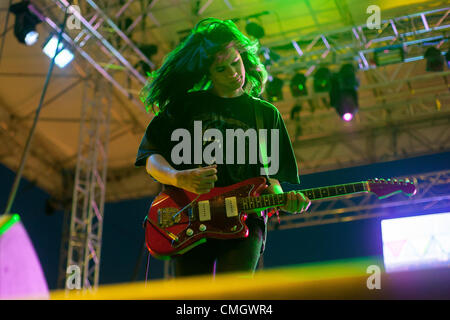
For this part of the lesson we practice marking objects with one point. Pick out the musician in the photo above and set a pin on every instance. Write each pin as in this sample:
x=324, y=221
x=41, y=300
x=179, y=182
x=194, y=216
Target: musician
x=213, y=78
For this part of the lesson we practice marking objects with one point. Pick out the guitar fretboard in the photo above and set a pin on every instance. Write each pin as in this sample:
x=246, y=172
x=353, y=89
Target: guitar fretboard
x=277, y=200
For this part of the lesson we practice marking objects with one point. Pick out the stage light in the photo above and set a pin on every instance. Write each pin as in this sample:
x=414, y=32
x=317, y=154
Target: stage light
x=388, y=55
x=274, y=89
x=347, y=104
x=322, y=79
x=255, y=30
x=343, y=93
x=435, y=60
x=347, y=77
x=31, y=38
x=63, y=58
x=21, y=274
x=298, y=85
x=25, y=24
x=347, y=116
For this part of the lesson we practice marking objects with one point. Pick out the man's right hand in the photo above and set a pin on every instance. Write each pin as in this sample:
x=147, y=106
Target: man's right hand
x=199, y=180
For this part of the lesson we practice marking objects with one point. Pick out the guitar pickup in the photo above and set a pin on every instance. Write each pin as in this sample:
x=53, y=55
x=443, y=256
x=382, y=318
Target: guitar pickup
x=231, y=207
x=204, y=210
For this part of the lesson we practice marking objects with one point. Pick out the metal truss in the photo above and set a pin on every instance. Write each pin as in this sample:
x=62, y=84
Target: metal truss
x=399, y=117
x=101, y=43
x=86, y=222
x=433, y=192
x=356, y=43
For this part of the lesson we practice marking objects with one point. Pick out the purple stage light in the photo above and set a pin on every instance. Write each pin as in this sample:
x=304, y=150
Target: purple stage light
x=21, y=275
x=347, y=116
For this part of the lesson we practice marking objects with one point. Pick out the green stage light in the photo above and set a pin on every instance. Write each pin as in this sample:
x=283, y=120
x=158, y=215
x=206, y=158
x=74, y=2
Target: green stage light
x=298, y=85
x=322, y=80
x=274, y=89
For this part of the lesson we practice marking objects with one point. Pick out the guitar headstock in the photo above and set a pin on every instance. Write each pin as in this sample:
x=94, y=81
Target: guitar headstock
x=384, y=188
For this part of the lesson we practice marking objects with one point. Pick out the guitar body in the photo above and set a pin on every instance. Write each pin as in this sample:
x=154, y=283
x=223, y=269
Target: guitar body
x=168, y=234
x=179, y=220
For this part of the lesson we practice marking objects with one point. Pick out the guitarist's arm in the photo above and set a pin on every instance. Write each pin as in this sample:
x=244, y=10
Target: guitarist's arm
x=198, y=181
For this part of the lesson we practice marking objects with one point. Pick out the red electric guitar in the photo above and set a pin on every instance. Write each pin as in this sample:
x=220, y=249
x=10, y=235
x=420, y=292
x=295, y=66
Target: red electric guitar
x=179, y=220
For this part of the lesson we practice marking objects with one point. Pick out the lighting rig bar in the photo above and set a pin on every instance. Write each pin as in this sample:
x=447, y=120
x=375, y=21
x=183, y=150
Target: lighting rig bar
x=357, y=43
x=93, y=41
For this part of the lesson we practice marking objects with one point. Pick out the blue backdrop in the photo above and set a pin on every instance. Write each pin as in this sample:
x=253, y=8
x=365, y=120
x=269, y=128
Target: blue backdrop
x=124, y=258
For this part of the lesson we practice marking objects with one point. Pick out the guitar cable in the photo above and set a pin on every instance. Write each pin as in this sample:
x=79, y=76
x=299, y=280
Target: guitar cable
x=186, y=206
x=146, y=268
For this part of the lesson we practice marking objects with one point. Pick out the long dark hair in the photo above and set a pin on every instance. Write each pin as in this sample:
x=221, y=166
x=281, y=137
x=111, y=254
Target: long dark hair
x=186, y=68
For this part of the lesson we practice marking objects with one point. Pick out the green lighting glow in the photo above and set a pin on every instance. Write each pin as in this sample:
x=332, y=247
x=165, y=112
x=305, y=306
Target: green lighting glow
x=7, y=221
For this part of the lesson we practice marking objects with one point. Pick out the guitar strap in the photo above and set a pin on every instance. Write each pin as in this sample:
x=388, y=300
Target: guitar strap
x=262, y=141
x=263, y=151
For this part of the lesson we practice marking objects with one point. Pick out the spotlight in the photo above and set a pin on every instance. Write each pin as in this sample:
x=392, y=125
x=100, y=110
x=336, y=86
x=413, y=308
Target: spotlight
x=322, y=79
x=298, y=85
x=347, y=116
x=347, y=77
x=343, y=94
x=347, y=104
x=25, y=24
x=274, y=89
x=63, y=58
x=435, y=60
x=255, y=30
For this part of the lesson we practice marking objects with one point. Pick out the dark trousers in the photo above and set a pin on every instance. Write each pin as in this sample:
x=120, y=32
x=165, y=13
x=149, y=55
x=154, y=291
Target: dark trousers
x=222, y=256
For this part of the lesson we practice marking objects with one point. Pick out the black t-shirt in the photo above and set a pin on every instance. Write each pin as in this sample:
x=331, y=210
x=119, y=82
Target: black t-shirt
x=199, y=111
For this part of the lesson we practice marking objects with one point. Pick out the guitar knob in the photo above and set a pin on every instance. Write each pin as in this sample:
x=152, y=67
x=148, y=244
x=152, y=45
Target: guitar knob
x=202, y=227
x=189, y=232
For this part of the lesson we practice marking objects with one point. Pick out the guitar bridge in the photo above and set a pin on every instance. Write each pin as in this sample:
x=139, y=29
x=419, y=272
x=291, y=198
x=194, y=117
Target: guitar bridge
x=166, y=217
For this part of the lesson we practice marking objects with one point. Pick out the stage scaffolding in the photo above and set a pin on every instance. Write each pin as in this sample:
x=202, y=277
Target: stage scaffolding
x=86, y=220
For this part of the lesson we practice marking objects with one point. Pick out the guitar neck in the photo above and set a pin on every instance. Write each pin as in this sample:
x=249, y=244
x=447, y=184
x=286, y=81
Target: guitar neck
x=279, y=200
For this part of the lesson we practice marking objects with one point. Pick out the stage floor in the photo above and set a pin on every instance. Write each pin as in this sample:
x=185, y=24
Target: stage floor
x=343, y=279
